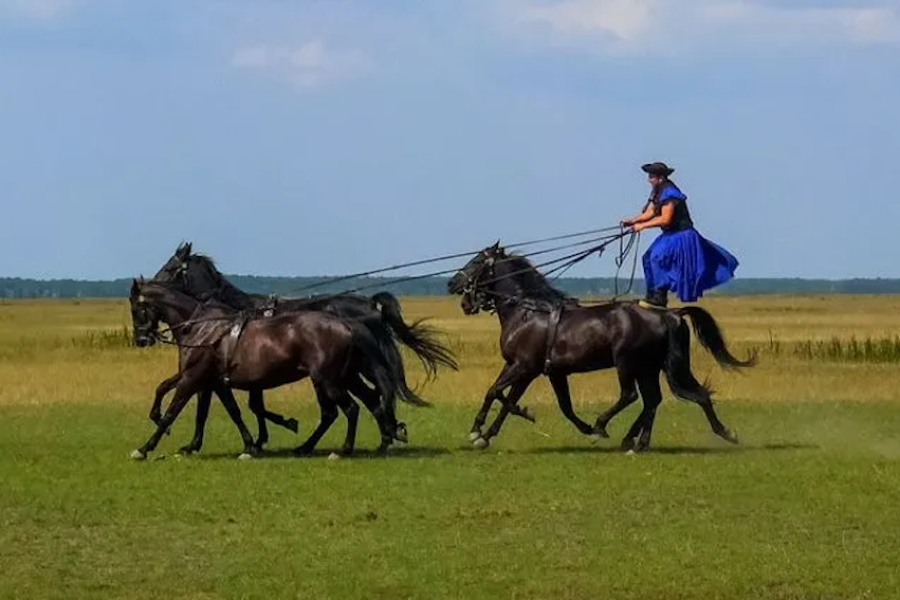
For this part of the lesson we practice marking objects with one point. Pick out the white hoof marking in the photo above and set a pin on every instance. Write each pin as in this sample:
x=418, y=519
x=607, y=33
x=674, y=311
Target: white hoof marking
x=482, y=443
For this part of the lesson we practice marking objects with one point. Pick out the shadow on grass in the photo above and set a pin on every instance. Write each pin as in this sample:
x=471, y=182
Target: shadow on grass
x=320, y=453
x=673, y=449
x=432, y=452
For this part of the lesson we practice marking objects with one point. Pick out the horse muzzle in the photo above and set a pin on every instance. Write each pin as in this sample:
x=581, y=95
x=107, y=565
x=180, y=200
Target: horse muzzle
x=143, y=340
x=469, y=305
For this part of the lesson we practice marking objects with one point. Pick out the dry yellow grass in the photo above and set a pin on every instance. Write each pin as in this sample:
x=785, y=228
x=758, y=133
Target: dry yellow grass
x=48, y=356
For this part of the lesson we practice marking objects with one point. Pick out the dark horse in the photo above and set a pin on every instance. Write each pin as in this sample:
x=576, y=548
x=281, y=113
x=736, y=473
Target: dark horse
x=197, y=276
x=543, y=332
x=220, y=350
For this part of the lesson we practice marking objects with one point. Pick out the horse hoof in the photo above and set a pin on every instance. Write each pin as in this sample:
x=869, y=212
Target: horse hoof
x=475, y=435
x=138, y=455
x=334, y=456
x=630, y=452
x=245, y=456
x=400, y=433
x=293, y=425
x=595, y=437
x=482, y=443
x=731, y=436
x=600, y=430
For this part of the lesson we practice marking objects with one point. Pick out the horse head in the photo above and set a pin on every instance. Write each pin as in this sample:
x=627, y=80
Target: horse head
x=469, y=282
x=145, y=316
x=192, y=274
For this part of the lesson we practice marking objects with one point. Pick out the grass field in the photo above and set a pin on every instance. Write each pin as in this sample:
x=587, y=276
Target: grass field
x=808, y=506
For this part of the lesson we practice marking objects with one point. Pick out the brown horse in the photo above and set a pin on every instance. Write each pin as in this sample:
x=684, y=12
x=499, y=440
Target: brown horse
x=543, y=332
x=219, y=350
x=197, y=276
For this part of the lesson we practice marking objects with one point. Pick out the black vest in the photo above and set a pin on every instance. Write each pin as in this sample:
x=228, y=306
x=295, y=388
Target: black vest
x=682, y=217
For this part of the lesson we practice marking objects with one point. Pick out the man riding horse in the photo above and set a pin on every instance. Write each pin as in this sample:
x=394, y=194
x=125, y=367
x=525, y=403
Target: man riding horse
x=680, y=259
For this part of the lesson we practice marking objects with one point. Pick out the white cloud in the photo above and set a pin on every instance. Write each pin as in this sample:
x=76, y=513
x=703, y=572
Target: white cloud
x=307, y=66
x=36, y=9
x=672, y=26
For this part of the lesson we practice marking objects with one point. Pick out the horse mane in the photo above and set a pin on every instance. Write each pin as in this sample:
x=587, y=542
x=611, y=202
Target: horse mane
x=224, y=291
x=530, y=282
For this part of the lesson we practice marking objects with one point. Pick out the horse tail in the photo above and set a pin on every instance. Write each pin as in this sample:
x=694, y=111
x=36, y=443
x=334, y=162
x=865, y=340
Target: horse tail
x=391, y=354
x=710, y=336
x=385, y=338
x=418, y=337
x=677, y=365
x=376, y=366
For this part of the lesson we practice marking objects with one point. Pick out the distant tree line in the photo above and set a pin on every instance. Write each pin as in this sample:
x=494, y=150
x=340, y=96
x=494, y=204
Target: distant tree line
x=300, y=286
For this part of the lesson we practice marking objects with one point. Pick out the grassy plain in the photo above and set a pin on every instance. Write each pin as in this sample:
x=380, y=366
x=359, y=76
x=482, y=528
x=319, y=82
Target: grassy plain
x=806, y=507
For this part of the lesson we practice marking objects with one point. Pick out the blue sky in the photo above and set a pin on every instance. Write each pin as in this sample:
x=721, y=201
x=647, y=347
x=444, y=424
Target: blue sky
x=311, y=137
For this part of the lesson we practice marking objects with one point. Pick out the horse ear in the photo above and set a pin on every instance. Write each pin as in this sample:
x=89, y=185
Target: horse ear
x=184, y=250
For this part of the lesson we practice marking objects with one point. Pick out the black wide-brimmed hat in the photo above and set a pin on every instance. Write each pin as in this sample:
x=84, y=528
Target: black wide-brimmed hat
x=659, y=169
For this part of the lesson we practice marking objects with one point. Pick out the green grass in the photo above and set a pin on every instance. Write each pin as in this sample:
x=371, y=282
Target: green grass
x=805, y=508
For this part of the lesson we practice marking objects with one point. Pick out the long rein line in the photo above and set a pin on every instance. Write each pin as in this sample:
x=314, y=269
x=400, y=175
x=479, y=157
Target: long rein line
x=416, y=263
x=566, y=262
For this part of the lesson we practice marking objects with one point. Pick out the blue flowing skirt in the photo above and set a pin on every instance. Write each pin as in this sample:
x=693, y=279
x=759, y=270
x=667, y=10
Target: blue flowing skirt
x=687, y=264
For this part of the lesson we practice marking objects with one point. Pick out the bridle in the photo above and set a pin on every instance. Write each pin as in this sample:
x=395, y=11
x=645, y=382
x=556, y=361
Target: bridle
x=149, y=330
x=472, y=292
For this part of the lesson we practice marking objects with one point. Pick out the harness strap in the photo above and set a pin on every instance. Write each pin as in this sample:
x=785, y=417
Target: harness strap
x=552, y=328
x=236, y=332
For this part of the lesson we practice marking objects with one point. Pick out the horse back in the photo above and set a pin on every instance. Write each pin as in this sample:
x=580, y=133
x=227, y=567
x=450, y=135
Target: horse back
x=590, y=338
x=288, y=347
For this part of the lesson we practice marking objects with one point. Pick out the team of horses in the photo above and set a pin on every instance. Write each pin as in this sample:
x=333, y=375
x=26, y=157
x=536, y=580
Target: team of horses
x=348, y=346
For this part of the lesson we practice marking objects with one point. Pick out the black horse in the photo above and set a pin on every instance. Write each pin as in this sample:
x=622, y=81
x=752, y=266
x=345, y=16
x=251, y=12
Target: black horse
x=220, y=349
x=544, y=332
x=197, y=275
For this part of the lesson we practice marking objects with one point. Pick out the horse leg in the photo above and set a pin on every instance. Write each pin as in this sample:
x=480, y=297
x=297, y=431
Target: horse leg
x=652, y=395
x=161, y=390
x=329, y=413
x=370, y=398
x=560, y=385
x=259, y=409
x=255, y=402
x=231, y=407
x=289, y=423
x=717, y=426
x=494, y=393
x=186, y=388
x=515, y=393
x=627, y=396
x=204, y=398
x=351, y=411
x=636, y=427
